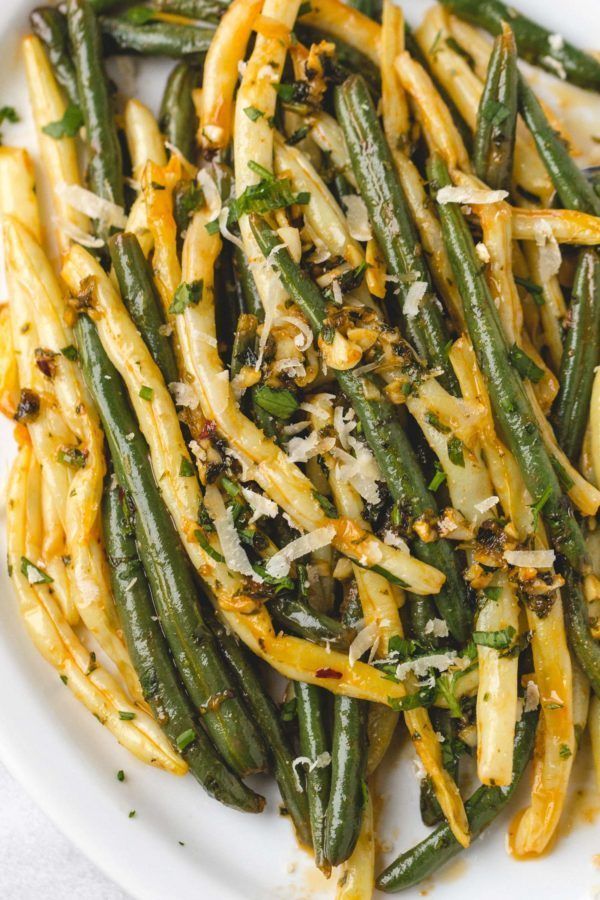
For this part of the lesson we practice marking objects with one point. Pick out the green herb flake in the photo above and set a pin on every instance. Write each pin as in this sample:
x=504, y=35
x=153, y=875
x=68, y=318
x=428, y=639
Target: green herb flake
x=537, y=507
x=298, y=135
x=186, y=468
x=70, y=352
x=326, y=505
x=187, y=294
x=253, y=113
x=268, y=194
x=213, y=227
x=146, y=393
x=131, y=814
x=304, y=9
x=534, y=289
x=68, y=126
x=436, y=423
x=496, y=640
x=565, y=751
x=455, y=452
x=73, y=457
x=495, y=112
x=438, y=479
x=492, y=593
x=280, y=584
x=279, y=402
x=203, y=541
x=185, y=739
x=64, y=679
x=126, y=716
x=524, y=365
x=33, y=573
x=120, y=775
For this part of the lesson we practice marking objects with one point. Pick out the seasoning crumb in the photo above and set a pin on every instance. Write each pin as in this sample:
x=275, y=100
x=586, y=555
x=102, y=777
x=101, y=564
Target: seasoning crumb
x=131, y=813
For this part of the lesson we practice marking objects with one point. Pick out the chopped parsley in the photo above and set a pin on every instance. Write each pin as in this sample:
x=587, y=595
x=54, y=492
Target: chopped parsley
x=185, y=739
x=146, y=393
x=186, y=468
x=438, y=479
x=68, y=126
x=187, y=294
x=268, y=194
x=496, y=640
x=70, y=352
x=455, y=452
x=279, y=402
x=33, y=573
x=524, y=364
x=126, y=716
x=72, y=456
x=253, y=113
x=326, y=505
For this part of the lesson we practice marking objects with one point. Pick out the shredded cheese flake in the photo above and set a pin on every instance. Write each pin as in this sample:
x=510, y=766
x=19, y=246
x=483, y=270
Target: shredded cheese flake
x=231, y=546
x=357, y=217
x=535, y=559
x=486, y=504
x=261, y=505
x=437, y=628
x=532, y=697
x=476, y=196
x=278, y=565
x=92, y=205
x=364, y=640
x=413, y=298
x=183, y=394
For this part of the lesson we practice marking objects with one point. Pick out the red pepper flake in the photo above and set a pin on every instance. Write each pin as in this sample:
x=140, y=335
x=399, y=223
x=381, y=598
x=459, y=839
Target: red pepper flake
x=328, y=673
x=208, y=430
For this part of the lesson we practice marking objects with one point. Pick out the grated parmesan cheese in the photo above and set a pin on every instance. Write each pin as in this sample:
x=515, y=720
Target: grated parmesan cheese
x=413, y=298
x=231, y=545
x=482, y=252
x=357, y=217
x=486, y=504
x=437, y=628
x=477, y=196
x=532, y=697
x=261, y=505
x=79, y=235
x=364, y=640
x=183, y=394
x=394, y=540
x=92, y=205
x=535, y=559
x=279, y=565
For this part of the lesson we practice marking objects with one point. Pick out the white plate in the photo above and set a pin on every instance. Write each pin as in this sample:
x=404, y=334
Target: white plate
x=69, y=763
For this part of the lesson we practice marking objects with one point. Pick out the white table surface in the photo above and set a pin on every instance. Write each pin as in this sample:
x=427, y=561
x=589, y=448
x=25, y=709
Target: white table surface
x=37, y=860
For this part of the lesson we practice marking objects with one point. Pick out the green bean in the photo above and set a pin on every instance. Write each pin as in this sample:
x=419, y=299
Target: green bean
x=266, y=717
x=204, y=674
x=105, y=170
x=51, y=28
x=493, y=149
x=516, y=418
x=141, y=298
x=314, y=741
x=420, y=611
x=348, y=761
x=581, y=355
x=535, y=44
x=153, y=663
x=510, y=403
x=572, y=187
x=177, y=118
x=157, y=38
x=390, y=215
x=385, y=436
x=301, y=619
x=482, y=807
x=247, y=285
